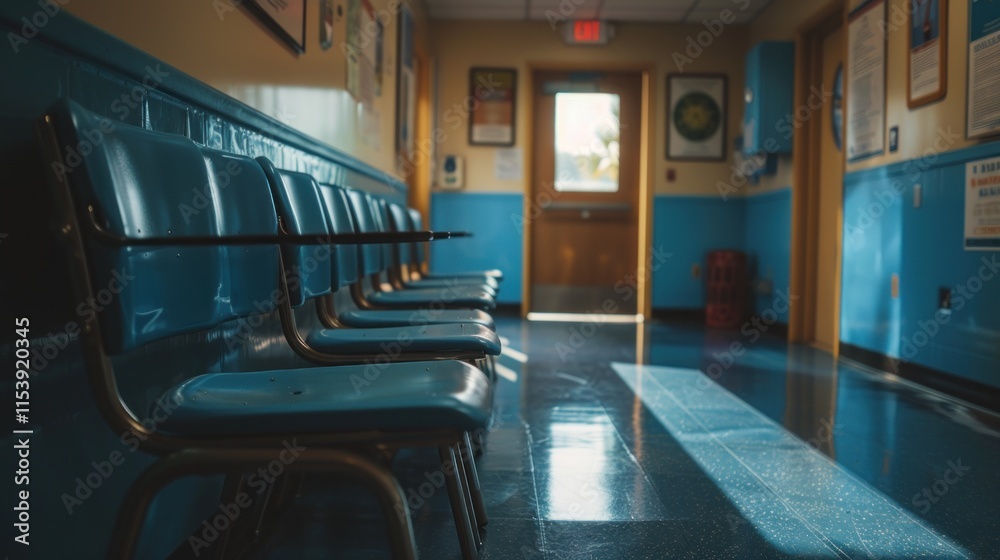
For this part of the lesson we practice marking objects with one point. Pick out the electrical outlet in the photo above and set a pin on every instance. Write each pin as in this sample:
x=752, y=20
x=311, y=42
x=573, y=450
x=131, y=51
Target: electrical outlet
x=765, y=286
x=695, y=271
x=944, y=299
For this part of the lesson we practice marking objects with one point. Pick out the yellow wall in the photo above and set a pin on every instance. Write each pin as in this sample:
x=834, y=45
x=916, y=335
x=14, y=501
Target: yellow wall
x=918, y=128
x=229, y=49
x=235, y=54
x=460, y=45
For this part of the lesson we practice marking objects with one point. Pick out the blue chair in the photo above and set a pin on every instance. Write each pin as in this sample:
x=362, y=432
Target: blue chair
x=310, y=272
x=398, y=219
x=370, y=293
x=118, y=210
x=418, y=267
x=339, y=308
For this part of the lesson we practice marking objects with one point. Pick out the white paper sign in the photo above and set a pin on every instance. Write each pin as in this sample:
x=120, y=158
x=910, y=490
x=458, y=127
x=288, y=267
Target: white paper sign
x=982, y=205
x=866, y=81
x=508, y=164
x=984, y=68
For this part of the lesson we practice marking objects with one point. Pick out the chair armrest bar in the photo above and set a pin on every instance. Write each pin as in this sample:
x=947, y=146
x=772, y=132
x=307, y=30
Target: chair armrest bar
x=114, y=239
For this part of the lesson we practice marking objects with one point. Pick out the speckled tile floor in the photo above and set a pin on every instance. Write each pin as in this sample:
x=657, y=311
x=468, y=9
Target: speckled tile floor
x=778, y=452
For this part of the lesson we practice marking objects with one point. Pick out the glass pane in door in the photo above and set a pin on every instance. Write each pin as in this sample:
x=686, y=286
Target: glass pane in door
x=587, y=142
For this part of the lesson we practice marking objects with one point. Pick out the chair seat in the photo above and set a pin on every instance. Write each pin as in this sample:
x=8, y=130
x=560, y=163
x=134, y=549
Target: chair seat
x=496, y=274
x=444, y=395
x=365, y=318
x=487, y=284
x=439, y=339
x=449, y=298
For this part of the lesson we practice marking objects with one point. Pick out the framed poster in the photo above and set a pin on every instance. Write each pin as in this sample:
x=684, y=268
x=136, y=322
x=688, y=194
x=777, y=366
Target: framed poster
x=287, y=19
x=494, y=91
x=926, y=67
x=406, y=86
x=696, y=117
x=866, y=68
x=984, y=62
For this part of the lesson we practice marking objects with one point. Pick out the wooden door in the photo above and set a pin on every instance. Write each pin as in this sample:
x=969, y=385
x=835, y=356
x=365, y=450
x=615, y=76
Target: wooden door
x=584, y=203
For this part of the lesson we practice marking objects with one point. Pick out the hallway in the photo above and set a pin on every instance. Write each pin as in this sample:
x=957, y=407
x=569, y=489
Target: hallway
x=577, y=467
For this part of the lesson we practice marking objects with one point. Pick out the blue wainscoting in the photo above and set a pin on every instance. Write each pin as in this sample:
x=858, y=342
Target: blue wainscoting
x=495, y=219
x=884, y=235
x=689, y=227
x=767, y=240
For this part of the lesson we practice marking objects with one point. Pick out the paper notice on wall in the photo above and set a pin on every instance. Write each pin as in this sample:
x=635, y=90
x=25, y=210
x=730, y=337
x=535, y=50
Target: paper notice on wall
x=982, y=205
x=508, y=164
x=866, y=81
x=983, y=104
x=360, y=50
x=371, y=127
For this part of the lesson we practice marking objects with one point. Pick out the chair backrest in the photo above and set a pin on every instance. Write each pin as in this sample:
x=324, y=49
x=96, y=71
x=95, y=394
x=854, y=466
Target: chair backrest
x=364, y=221
x=338, y=210
x=309, y=268
x=380, y=207
x=399, y=220
x=417, y=223
x=145, y=184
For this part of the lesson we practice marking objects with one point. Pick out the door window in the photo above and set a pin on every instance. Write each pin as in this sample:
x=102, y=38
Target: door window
x=587, y=142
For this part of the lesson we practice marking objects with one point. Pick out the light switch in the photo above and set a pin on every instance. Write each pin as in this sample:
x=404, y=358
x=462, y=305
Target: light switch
x=918, y=195
x=894, y=287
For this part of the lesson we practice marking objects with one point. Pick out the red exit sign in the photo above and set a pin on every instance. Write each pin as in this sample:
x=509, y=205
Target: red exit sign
x=588, y=32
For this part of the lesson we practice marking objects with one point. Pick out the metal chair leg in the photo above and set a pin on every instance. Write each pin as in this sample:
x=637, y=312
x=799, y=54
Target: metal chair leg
x=467, y=494
x=133, y=511
x=475, y=489
x=466, y=538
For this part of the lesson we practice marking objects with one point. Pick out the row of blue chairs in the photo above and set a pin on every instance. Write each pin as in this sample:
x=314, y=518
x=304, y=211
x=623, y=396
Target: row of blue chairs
x=339, y=267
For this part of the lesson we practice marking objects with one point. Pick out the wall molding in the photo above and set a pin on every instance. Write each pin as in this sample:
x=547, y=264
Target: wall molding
x=922, y=164
x=963, y=388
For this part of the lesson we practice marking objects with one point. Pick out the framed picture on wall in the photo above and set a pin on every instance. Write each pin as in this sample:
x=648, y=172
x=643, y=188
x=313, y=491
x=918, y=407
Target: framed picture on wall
x=286, y=18
x=926, y=68
x=866, y=70
x=696, y=117
x=406, y=86
x=982, y=111
x=494, y=110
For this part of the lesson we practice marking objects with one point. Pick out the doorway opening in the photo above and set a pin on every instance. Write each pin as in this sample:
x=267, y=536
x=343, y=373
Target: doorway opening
x=586, y=198
x=817, y=206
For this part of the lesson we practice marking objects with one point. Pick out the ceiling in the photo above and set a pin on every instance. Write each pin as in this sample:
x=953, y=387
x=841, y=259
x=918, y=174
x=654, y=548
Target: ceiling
x=672, y=11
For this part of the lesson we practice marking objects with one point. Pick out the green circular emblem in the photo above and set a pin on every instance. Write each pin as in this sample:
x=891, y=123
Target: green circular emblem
x=697, y=116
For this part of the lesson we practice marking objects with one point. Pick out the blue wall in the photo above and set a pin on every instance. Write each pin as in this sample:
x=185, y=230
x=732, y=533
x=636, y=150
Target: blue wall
x=690, y=227
x=497, y=241
x=885, y=235
x=767, y=239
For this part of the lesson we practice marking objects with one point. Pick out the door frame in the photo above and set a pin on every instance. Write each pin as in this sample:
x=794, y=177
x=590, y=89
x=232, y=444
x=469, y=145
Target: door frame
x=805, y=180
x=419, y=180
x=647, y=147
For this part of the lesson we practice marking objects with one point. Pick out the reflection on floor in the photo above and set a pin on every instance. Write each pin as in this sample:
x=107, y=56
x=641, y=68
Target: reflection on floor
x=703, y=465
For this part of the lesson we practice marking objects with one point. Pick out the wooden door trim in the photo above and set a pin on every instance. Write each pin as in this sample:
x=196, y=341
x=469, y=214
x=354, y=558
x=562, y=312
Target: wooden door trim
x=646, y=149
x=419, y=179
x=805, y=179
